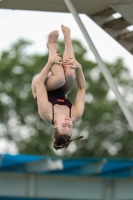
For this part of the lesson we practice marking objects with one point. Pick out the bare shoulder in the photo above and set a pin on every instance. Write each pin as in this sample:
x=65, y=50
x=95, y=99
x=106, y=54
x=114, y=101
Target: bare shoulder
x=46, y=114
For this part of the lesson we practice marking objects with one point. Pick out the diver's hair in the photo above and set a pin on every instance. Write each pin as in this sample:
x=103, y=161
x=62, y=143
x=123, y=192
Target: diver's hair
x=62, y=141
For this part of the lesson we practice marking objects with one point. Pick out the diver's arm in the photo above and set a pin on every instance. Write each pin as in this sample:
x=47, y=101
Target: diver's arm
x=78, y=107
x=81, y=83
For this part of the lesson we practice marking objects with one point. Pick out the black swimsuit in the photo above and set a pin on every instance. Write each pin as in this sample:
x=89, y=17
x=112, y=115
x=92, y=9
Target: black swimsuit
x=58, y=97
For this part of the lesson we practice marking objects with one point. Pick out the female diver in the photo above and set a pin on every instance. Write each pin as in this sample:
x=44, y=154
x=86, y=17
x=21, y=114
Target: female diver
x=51, y=87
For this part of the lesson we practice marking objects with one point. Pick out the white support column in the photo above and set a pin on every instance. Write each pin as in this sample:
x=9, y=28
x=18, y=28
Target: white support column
x=105, y=71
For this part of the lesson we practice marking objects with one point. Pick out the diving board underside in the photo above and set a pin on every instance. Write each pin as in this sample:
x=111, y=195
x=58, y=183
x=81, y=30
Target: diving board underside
x=88, y=7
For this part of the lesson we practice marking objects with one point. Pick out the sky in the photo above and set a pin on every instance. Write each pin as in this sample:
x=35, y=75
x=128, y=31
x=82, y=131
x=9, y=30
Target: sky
x=35, y=26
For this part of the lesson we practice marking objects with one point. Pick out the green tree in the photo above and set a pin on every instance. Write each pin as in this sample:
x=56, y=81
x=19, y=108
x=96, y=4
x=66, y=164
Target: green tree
x=105, y=129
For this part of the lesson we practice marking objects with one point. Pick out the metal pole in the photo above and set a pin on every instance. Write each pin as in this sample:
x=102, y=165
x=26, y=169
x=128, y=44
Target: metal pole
x=31, y=185
x=105, y=71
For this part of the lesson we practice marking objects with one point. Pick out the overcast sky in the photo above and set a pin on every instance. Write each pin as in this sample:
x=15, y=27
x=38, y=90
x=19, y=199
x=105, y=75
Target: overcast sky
x=35, y=26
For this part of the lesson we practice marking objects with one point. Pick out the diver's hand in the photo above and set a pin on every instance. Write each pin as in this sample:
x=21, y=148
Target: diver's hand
x=56, y=59
x=73, y=63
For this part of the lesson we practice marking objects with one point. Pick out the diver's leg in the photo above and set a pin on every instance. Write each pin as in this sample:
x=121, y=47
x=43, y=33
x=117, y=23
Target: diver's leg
x=68, y=55
x=56, y=79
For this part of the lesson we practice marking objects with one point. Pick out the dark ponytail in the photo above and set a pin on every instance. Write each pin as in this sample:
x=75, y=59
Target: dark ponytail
x=62, y=141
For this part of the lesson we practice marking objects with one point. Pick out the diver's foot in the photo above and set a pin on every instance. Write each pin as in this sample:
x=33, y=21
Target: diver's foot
x=66, y=32
x=52, y=38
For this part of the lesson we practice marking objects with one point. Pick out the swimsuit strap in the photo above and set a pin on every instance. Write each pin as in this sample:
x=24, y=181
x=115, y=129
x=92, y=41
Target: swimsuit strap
x=70, y=113
x=53, y=115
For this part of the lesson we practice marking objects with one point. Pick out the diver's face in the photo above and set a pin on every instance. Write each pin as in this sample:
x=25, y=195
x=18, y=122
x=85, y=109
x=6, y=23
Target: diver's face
x=64, y=126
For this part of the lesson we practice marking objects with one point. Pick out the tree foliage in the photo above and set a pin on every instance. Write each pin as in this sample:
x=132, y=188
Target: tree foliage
x=103, y=125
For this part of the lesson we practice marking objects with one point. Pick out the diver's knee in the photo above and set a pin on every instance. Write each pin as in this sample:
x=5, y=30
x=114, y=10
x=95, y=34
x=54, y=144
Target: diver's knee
x=70, y=74
x=61, y=80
